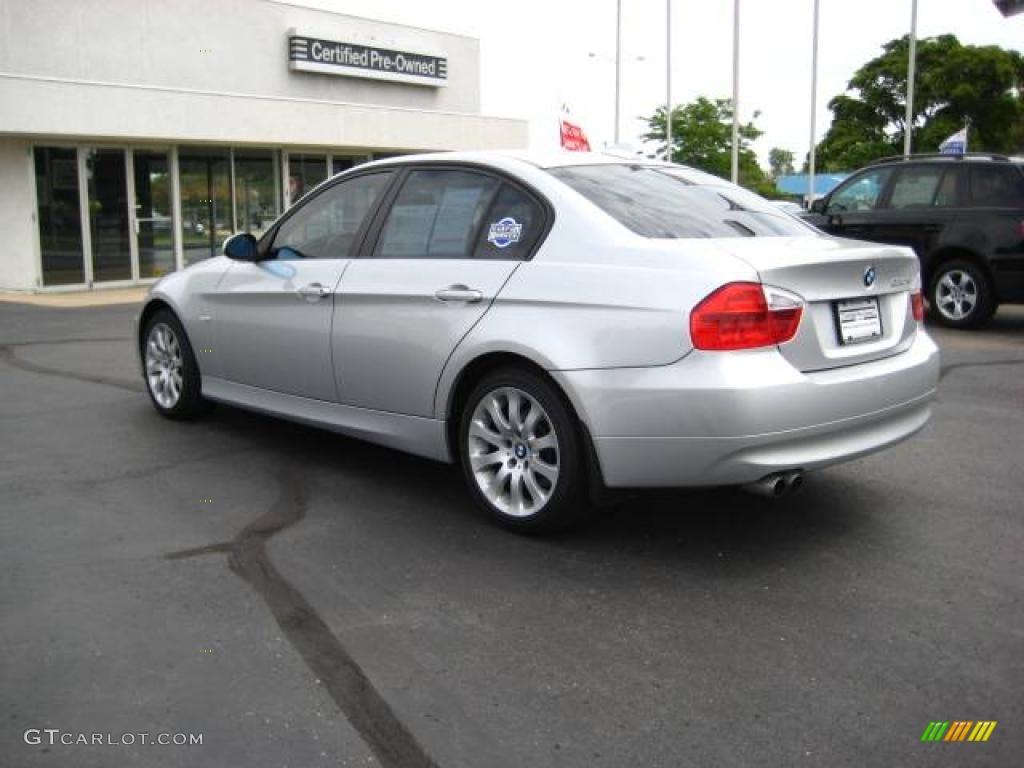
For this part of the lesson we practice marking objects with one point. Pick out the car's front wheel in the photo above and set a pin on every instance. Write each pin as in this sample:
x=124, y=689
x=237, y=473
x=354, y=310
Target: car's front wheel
x=520, y=450
x=171, y=372
x=960, y=295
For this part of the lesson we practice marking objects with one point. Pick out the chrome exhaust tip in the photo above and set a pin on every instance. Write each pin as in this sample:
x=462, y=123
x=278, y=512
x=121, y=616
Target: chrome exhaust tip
x=776, y=485
x=794, y=481
x=770, y=486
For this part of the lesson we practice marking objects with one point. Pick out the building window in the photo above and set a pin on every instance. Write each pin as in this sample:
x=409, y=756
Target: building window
x=304, y=173
x=60, y=216
x=342, y=163
x=206, y=217
x=256, y=190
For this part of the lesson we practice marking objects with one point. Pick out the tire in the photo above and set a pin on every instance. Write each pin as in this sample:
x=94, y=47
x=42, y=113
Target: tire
x=526, y=474
x=169, y=366
x=960, y=295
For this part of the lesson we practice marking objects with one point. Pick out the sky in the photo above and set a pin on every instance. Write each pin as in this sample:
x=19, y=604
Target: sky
x=539, y=54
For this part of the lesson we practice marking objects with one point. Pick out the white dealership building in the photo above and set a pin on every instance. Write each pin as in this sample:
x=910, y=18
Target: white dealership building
x=135, y=134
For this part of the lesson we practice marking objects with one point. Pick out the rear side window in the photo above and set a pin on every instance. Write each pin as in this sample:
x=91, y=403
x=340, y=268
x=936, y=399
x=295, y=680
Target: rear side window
x=436, y=215
x=654, y=203
x=512, y=226
x=915, y=186
x=948, y=195
x=996, y=186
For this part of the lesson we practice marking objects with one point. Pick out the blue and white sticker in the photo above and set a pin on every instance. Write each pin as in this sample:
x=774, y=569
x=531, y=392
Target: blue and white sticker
x=504, y=232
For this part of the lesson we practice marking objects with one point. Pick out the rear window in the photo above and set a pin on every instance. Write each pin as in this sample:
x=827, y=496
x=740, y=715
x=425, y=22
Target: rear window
x=654, y=202
x=996, y=186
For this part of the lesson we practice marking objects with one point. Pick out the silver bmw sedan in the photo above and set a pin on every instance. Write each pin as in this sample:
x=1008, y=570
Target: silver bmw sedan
x=557, y=325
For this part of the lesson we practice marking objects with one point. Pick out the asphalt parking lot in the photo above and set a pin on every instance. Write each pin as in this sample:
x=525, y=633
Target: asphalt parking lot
x=302, y=599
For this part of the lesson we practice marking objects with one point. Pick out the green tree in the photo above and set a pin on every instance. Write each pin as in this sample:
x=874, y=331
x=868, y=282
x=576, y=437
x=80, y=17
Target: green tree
x=955, y=84
x=702, y=138
x=780, y=162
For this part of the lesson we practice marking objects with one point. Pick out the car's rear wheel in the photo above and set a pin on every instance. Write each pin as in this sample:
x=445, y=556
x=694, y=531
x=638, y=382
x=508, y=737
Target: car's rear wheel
x=960, y=295
x=171, y=372
x=520, y=450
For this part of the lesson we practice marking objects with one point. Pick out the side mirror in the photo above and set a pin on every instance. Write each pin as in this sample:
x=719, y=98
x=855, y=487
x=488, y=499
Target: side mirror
x=819, y=205
x=240, y=247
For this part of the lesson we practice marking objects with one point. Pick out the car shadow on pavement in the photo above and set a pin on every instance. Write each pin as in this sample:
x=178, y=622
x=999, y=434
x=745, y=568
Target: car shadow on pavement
x=687, y=527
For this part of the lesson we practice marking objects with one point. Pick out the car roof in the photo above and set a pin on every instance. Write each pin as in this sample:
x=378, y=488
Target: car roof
x=938, y=157
x=537, y=158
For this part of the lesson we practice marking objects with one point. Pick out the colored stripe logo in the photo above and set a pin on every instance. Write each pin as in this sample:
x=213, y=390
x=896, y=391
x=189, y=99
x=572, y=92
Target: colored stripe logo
x=959, y=730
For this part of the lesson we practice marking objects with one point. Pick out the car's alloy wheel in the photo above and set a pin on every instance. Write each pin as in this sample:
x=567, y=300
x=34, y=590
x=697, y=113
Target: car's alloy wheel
x=170, y=369
x=513, y=450
x=164, y=366
x=957, y=295
x=519, y=448
x=960, y=296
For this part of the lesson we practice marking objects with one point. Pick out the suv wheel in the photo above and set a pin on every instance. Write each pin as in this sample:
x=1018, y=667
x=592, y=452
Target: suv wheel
x=960, y=295
x=521, y=454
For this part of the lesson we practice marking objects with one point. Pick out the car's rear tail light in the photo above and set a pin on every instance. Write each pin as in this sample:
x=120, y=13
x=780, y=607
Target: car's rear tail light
x=917, y=305
x=745, y=316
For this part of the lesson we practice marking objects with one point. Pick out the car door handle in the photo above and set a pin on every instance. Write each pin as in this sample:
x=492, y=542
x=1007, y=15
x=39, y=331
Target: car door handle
x=459, y=293
x=314, y=291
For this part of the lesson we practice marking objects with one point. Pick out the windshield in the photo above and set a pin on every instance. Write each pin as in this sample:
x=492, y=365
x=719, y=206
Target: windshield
x=668, y=203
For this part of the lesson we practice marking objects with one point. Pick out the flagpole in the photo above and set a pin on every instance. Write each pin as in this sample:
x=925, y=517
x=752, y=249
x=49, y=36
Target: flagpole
x=736, y=92
x=911, y=65
x=668, y=80
x=814, y=107
x=618, y=63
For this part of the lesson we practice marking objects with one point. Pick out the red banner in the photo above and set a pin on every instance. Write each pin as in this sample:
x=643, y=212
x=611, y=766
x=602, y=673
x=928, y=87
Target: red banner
x=573, y=138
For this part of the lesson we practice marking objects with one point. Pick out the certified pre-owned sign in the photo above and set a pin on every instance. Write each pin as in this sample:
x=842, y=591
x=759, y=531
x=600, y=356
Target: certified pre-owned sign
x=308, y=53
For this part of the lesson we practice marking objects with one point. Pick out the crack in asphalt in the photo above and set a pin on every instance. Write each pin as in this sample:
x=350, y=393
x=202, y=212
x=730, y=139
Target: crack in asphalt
x=947, y=369
x=355, y=695
x=367, y=711
x=9, y=357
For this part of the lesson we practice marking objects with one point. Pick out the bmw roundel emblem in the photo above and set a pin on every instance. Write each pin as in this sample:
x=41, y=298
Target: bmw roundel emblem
x=869, y=277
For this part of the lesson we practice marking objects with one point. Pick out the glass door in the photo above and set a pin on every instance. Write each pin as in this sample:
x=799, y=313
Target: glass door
x=154, y=231
x=108, y=215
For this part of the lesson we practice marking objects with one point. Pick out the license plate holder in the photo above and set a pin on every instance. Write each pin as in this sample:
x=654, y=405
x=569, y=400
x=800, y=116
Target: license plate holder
x=858, y=320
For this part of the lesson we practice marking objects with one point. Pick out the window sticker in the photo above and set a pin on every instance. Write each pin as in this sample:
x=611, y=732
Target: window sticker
x=504, y=232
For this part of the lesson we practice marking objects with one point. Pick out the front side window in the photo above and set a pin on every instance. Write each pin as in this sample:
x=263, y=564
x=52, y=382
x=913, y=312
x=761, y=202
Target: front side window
x=860, y=194
x=915, y=186
x=328, y=226
x=436, y=215
x=996, y=186
x=661, y=203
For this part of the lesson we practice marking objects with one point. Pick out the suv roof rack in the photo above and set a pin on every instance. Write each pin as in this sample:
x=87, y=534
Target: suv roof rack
x=937, y=155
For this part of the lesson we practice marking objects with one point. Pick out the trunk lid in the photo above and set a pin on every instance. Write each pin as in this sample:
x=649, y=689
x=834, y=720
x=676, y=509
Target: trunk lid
x=846, y=284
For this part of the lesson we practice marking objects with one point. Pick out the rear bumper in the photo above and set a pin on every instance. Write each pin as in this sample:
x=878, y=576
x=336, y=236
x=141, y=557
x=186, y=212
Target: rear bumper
x=719, y=419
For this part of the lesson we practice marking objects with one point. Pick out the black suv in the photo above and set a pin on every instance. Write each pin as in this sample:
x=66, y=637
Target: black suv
x=962, y=214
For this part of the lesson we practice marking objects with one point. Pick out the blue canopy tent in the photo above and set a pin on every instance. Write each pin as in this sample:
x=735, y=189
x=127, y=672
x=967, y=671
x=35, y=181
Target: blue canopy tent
x=796, y=184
